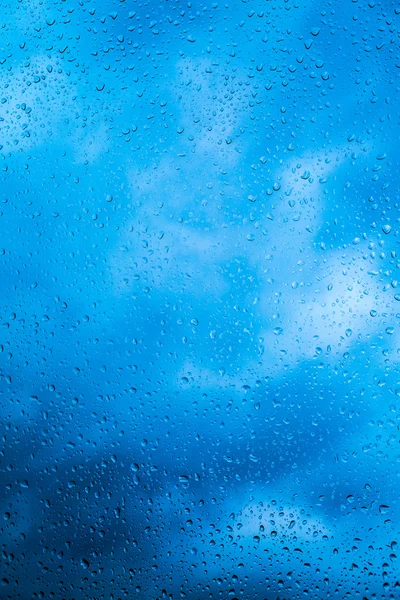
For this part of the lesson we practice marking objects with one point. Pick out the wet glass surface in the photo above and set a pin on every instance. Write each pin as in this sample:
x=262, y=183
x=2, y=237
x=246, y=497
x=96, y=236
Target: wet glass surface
x=200, y=305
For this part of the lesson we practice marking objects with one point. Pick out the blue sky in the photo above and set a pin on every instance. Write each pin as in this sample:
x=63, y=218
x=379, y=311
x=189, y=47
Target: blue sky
x=200, y=302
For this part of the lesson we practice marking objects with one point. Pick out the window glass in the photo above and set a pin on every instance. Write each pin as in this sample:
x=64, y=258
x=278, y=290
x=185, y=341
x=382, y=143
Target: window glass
x=200, y=303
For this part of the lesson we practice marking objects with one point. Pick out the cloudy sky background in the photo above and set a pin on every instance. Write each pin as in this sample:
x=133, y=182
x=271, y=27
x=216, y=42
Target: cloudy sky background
x=200, y=302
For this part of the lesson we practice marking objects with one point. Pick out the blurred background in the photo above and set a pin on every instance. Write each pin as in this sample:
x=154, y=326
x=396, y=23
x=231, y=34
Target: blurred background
x=199, y=307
